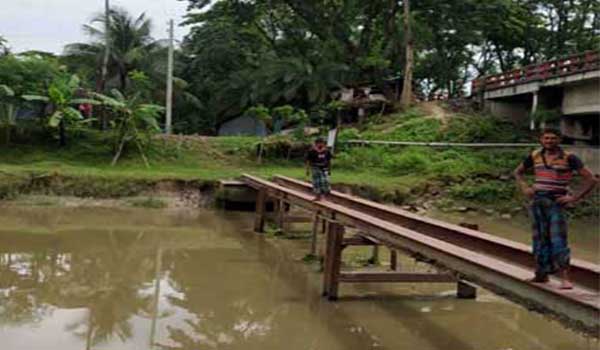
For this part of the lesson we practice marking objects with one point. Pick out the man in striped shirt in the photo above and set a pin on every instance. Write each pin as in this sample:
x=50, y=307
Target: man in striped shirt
x=553, y=169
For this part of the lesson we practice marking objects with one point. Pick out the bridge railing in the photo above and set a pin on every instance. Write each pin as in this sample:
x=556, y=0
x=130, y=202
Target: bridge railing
x=579, y=63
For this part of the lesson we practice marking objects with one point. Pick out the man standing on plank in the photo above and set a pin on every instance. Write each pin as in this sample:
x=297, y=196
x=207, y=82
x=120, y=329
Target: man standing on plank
x=553, y=169
x=318, y=162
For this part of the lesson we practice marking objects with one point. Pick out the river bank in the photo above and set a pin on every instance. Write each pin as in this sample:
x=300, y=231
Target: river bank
x=188, y=168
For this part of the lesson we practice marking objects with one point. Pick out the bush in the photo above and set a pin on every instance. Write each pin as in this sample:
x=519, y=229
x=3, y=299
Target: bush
x=414, y=129
x=476, y=128
x=348, y=134
x=468, y=129
x=409, y=161
x=362, y=158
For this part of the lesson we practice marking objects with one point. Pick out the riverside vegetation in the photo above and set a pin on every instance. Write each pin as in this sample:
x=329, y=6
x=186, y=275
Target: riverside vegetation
x=417, y=178
x=282, y=62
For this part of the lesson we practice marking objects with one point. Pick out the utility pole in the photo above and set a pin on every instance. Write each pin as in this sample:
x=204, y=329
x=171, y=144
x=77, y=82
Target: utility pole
x=104, y=70
x=170, y=81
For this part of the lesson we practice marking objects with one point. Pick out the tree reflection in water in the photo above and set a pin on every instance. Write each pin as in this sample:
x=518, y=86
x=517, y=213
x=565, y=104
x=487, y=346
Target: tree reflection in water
x=105, y=278
x=20, y=278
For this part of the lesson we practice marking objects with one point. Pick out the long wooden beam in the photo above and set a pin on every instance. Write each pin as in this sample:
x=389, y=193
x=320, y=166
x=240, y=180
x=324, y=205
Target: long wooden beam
x=370, y=277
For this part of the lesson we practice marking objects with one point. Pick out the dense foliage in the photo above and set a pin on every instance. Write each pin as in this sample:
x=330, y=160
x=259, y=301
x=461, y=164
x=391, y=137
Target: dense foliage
x=244, y=53
x=241, y=55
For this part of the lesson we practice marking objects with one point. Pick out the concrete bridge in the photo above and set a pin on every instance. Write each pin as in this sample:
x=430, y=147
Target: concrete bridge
x=569, y=87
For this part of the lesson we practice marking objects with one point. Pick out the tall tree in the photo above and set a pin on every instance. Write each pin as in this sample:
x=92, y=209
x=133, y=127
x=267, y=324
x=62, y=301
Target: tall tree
x=131, y=44
x=406, y=98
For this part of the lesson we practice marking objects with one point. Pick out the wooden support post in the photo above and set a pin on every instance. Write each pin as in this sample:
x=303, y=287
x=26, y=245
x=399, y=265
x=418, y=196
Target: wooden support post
x=259, y=219
x=315, y=229
x=280, y=220
x=393, y=259
x=374, y=256
x=465, y=291
x=333, y=260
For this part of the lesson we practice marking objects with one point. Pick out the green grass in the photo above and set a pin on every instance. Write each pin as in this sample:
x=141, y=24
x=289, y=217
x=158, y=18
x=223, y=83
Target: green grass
x=83, y=168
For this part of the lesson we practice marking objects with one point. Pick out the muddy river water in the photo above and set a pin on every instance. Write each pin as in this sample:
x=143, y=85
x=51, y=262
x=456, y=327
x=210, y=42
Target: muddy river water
x=124, y=279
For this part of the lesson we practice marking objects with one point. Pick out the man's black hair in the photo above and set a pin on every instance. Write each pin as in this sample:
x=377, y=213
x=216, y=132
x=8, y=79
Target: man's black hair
x=320, y=140
x=551, y=131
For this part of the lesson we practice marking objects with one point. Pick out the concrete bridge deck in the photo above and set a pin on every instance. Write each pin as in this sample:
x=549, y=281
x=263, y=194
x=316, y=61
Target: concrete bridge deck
x=563, y=92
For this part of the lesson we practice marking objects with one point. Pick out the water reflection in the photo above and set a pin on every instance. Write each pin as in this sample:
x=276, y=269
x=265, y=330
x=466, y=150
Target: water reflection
x=105, y=279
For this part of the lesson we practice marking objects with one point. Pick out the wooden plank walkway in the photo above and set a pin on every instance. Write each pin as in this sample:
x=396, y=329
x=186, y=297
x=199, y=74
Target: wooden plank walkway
x=580, y=305
x=582, y=272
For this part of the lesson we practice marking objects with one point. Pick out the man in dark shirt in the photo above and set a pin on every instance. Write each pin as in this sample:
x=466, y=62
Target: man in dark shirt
x=553, y=168
x=318, y=162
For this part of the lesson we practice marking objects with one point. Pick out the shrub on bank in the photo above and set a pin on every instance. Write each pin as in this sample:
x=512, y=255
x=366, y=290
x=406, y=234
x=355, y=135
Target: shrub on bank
x=408, y=161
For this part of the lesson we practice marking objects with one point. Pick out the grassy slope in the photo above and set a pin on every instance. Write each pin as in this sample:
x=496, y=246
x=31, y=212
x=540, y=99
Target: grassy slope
x=206, y=159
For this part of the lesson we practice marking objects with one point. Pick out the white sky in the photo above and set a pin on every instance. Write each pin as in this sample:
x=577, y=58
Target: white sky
x=48, y=25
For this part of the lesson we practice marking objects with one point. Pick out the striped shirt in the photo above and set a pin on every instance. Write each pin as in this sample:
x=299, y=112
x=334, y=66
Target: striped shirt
x=552, y=175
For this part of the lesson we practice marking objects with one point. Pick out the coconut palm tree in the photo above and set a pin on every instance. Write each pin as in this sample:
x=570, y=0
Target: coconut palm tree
x=130, y=45
x=3, y=46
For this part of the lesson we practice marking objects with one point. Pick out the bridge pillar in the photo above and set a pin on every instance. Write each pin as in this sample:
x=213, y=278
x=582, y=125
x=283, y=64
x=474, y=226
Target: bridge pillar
x=534, y=105
x=333, y=260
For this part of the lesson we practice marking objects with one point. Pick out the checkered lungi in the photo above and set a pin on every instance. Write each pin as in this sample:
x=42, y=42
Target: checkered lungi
x=320, y=180
x=550, y=246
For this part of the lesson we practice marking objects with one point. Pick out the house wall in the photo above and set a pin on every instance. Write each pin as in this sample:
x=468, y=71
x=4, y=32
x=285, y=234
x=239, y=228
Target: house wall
x=243, y=126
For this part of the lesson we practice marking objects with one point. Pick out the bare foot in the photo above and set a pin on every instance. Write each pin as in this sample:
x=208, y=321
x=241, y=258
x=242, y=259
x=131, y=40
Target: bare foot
x=316, y=199
x=566, y=285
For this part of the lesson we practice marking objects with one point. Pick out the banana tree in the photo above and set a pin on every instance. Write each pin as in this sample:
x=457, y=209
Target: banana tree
x=8, y=110
x=61, y=96
x=135, y=122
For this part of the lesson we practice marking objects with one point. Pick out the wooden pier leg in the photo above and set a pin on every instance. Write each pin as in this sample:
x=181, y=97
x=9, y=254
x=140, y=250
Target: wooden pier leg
x=465, y=291
x=259, y=219
x=280, y=215
x=315, y=229
x=333, y=260
x=393, y=260
x=375, y=255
